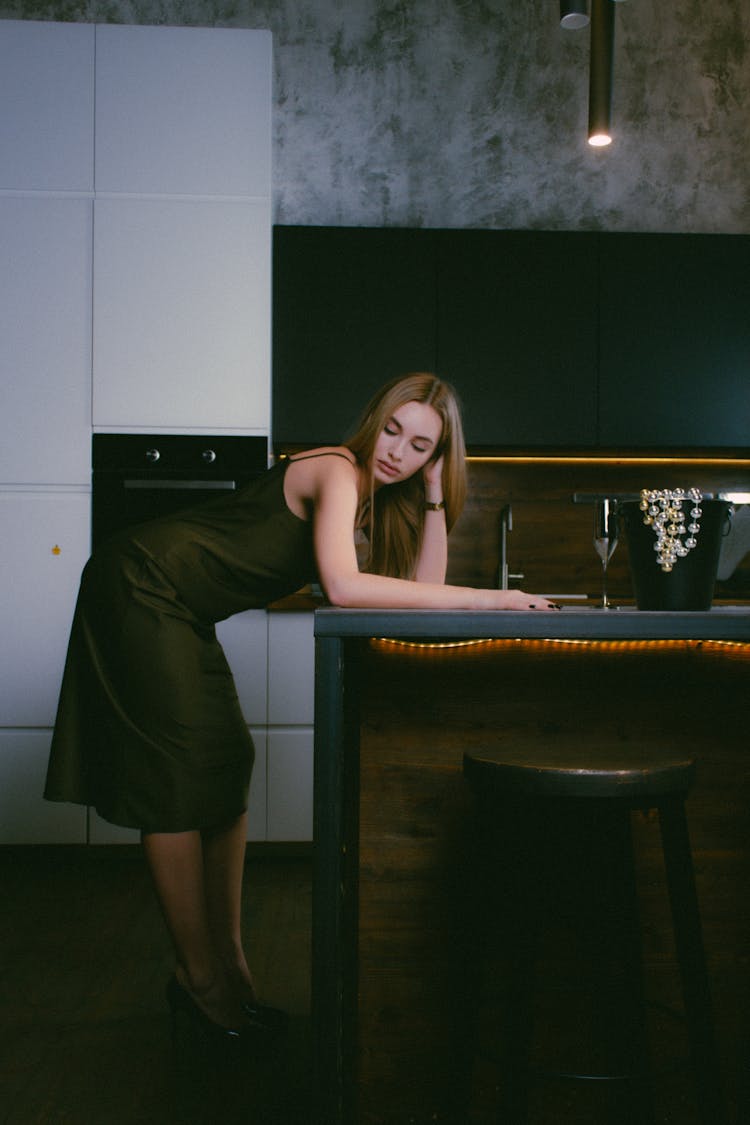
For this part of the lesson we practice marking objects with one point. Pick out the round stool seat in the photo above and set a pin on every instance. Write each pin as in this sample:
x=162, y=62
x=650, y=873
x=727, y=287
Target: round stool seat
x=615, y=770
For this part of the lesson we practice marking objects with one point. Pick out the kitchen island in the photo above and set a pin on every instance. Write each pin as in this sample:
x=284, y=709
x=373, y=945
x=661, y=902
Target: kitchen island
x=399, y=696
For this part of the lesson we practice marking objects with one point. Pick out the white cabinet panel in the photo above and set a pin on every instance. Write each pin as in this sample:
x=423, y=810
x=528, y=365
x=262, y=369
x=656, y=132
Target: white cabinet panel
x=25, y=817
x=290, y=784
x=102, y=832
x=43, y=548
x=46, y=106
x=291, y=668
x=182, y=314
x=244, y=639
x=183, y=110
x=45, y=340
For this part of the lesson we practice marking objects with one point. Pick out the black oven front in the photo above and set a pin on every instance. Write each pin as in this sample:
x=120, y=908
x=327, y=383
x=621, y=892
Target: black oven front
x=139, y=477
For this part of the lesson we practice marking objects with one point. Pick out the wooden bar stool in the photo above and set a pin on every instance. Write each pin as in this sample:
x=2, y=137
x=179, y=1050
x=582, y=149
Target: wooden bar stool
x=556, y=839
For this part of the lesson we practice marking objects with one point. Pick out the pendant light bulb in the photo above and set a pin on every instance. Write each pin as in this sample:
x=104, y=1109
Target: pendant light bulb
x=600, y=74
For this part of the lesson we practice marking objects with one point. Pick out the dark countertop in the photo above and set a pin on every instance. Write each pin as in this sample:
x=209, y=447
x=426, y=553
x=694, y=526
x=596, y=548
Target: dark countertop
x=729, y=623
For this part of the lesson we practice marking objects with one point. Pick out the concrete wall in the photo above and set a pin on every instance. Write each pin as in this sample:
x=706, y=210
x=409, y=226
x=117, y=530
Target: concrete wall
x=472, y=113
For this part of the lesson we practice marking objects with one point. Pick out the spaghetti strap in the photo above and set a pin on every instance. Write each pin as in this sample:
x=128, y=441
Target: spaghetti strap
x=326, y=453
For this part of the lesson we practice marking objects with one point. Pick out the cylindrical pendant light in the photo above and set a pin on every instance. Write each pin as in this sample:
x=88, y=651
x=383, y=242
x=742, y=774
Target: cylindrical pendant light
x=600, y=75
x=573, y=14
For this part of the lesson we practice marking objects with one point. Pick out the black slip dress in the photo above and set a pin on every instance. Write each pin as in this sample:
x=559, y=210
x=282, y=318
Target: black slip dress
x=149, y=729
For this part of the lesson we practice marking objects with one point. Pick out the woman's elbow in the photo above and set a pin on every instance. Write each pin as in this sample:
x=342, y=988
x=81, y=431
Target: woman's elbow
x=340, y=592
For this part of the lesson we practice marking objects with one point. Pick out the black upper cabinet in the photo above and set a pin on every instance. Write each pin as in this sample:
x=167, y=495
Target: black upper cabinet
x=353, y=308
x=517, y=334
x=675, y=340
x=553, y=339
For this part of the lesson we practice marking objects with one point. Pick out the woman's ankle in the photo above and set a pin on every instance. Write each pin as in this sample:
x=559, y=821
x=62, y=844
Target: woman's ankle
x=201, y=980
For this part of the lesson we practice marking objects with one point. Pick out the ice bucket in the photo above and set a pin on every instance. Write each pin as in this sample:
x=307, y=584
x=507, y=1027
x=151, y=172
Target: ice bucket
x=690, y=583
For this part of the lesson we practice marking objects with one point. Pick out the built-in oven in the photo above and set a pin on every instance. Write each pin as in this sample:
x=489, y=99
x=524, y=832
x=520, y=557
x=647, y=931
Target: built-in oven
x=138, y=477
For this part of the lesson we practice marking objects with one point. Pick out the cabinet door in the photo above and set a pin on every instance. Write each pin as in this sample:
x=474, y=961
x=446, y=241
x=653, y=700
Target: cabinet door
x=244, y=639
x=291, y=709
x=675, y=340
x=182, y=317
x=47, y=106
x=290, y=783
x=291, y=668
x=183, y=111
x=25, y=817
x=45, y=340
x=517, y=334
x=43, y=548
x=352, y=308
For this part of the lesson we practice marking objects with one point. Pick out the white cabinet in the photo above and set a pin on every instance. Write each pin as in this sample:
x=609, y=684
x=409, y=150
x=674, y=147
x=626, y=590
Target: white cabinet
x=43, y=548
x=167, y=133
x=182, y=230
x=244, y=639
x=135, y=242
x=45, y=340
x=25, y=817
x=46, y=106
x=291, y=712
x=290, y=783
x=183, y=111
x=182, y=309
x=291, y=668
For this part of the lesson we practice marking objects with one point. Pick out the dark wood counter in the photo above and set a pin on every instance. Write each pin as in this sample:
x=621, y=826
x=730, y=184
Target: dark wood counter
x=399, y=696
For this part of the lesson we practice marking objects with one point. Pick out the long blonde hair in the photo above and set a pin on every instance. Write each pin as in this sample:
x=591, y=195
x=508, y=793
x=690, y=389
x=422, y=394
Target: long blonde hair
x=393, y=516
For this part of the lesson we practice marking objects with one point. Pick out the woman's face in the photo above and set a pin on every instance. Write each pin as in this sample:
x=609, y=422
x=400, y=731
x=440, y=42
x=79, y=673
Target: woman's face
x=406, y=443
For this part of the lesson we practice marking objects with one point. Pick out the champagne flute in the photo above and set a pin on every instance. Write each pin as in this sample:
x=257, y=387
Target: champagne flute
x=605, y=538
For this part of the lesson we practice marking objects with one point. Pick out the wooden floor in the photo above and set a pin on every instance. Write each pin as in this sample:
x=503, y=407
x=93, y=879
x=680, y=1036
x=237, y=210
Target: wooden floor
x=85, y=1036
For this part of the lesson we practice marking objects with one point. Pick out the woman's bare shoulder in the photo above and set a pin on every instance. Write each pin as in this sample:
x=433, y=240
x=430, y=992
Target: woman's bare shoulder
x=313, y=473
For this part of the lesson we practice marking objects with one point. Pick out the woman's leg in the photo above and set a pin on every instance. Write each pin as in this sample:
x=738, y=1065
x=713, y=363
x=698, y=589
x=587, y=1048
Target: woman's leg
x=224, y=864
x=177, y=864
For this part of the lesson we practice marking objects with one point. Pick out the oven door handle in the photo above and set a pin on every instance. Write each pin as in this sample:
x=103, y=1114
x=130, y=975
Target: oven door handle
x=179, y=485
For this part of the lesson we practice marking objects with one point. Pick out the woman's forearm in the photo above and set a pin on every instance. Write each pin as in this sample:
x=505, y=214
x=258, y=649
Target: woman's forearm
x=376, y=591
x=432, y=563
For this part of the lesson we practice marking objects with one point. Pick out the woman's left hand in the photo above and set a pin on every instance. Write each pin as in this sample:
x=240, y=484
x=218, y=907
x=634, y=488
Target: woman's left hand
x=433, y=473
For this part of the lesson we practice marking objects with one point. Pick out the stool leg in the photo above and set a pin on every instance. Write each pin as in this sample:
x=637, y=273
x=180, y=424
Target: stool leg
x=530, y=896
x=692, y=961
x=519, y=1023
x=507, y=923
x=625, y=913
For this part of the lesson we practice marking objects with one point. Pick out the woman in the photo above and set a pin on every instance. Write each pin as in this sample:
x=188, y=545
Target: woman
x=149, y=729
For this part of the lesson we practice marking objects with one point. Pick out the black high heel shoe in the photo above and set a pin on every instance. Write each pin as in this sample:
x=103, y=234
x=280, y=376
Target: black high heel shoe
x=180, y=1000
x=271, y=1021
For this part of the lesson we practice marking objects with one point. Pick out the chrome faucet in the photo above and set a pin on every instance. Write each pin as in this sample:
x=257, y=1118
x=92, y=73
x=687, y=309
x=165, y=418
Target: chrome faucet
x=506, y=525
